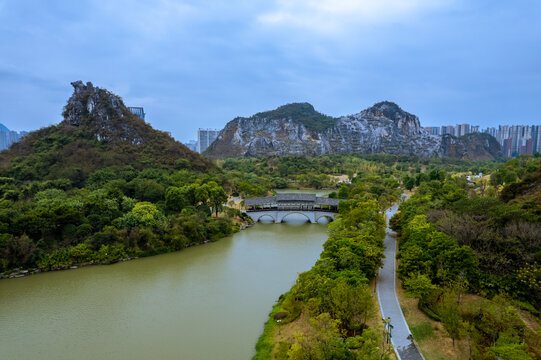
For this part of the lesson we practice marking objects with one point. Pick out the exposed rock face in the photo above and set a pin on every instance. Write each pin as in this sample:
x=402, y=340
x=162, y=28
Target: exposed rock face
x=383, y=128
x=474, y=146
x=101, y=111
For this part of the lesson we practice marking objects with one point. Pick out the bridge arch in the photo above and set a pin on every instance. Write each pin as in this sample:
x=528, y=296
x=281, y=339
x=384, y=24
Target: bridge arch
x=265, y=215
x=282, y=215
x=329, y=217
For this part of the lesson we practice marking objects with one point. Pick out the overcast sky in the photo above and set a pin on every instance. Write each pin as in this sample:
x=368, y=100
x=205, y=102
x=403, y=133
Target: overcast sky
x=201, y=63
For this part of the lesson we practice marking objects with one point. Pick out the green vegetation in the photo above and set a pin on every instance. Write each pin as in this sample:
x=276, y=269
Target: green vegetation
x=105, y=187
x=481, y=237
x=337, y=304
x=119, y=213
x=469, y=250
x=422, y=331
x=304, y=112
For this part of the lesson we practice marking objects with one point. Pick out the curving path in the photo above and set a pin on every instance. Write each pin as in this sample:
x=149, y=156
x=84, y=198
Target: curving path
x=388, y=301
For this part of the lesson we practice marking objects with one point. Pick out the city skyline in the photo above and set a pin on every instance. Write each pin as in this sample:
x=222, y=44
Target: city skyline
x=514, y=139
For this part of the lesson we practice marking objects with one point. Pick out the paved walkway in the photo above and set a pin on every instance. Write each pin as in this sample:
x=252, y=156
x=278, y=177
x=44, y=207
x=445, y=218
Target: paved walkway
x=388, y=301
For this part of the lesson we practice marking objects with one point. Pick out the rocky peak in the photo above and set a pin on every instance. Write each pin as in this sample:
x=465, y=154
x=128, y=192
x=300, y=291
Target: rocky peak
x=101, y=112
x=407, y=124
x=294, y=109
x=88, y=100
x=474, y=146
x=298, y=129
x=303, y=113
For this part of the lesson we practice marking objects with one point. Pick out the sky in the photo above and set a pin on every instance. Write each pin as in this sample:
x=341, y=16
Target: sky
x=201, y=63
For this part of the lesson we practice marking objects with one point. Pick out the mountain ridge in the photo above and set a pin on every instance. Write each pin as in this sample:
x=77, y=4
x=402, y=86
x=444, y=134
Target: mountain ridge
x=382, y=128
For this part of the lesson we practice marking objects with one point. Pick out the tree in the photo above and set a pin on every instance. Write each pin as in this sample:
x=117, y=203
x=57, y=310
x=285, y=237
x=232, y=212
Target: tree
x=143, y=214
x=450, y=316
x=174, y=199
x=352, y=305
x=510, y=347
x=409, y=182
x=419, y=285
x=217, y=196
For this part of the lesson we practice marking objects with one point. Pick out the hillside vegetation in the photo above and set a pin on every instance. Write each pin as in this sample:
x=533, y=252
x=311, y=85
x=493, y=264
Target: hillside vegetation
x=302, y=112
x=482, y=238
x=103, y=186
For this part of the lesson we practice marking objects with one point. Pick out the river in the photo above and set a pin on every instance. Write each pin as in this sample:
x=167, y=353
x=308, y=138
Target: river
x=205, y=302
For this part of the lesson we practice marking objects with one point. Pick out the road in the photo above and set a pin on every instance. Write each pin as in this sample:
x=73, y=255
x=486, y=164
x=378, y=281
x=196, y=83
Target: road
x=388, y=301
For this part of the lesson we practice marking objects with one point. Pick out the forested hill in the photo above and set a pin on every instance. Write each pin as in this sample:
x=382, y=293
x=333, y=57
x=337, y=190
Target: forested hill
x=482, y=238
x=98, y=131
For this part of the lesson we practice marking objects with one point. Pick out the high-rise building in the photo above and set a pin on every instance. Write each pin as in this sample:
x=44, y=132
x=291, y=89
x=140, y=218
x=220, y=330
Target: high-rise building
x=529, y=146
x=462, y=129
x=514, y=139
x=503, y=133
x=205, y=137
x=448, y=130
x=507, y=147
x=433, y=130
x=139, y=111
x=191, y=144
x=8, y=137
x=491, y=131
x=536, y=136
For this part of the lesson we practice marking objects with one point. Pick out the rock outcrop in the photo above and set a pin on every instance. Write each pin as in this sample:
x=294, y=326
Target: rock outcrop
x=474, y=146
x=382, y=128
x=101, y=111
x=98, y=131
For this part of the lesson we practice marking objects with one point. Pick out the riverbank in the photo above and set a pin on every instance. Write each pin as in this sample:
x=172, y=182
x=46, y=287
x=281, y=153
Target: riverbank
x=240, y=224
x=331, y=308
x=205, y=302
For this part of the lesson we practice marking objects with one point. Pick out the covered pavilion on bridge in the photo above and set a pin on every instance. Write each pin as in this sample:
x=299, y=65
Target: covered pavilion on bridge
x=292, y=201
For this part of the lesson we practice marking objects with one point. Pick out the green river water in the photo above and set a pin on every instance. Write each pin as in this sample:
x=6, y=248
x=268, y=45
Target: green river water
x=205, y=302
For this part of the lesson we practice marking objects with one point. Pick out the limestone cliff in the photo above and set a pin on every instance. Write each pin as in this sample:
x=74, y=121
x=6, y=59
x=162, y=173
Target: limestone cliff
x=297, y=129
x=102, y=112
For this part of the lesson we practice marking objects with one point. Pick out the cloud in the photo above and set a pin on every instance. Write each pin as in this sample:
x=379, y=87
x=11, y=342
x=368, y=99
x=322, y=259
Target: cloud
x=333, y=17
x=152, y=19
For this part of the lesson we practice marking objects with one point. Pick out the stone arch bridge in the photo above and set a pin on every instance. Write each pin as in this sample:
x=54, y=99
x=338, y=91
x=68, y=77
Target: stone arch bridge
x=280, y=206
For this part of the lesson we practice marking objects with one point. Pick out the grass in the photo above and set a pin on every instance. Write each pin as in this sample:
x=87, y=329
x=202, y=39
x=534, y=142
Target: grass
x=429, y=334
x=277, y=338
x=422, y=331
x=265, y=344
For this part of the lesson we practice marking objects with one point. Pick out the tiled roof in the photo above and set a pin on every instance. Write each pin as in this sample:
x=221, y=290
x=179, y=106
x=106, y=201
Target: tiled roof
x=296, y=197
x=260, y=201
x=327, y=201
x=291, y=197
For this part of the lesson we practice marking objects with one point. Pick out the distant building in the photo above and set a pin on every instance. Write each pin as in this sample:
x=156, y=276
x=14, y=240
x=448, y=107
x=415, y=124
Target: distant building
x=462, y=129
x=536, y=136
x=192, y=145
x=491, y=131
x=507, y=147
x=474, y=129
x=450, y=130
x=205, y=137
x=433, y=130
x=529, y=146
x=139, y=111
x=8, y=137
